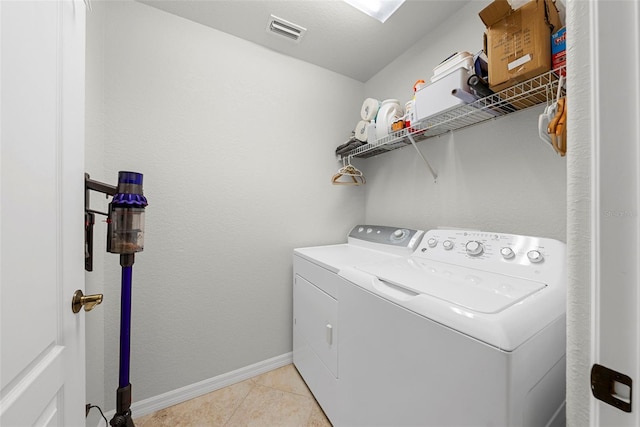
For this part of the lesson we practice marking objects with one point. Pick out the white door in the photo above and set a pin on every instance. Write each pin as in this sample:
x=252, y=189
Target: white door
x=42, y=367
x=616, y=212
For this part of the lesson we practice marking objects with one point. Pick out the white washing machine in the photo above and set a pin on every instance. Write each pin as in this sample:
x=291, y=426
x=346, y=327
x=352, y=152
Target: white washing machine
x=317, y=319
x=467, y=331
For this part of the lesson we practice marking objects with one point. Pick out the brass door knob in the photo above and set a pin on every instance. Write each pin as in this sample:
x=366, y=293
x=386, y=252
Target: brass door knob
x=80, y=300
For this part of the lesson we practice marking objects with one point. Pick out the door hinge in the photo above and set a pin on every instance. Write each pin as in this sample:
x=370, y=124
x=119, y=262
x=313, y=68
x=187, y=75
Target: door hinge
x=611, y=387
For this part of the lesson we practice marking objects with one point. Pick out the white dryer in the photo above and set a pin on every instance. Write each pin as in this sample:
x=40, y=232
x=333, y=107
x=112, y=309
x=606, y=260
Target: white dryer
x=316, y=289
x=467, y=331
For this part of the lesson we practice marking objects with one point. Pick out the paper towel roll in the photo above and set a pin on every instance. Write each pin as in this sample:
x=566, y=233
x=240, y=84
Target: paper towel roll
x=361, y=131
x=464, y=95
x=369, y=109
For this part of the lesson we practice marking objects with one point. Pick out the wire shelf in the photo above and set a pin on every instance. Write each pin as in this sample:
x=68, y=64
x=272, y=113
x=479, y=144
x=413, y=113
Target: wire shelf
x=535, y=91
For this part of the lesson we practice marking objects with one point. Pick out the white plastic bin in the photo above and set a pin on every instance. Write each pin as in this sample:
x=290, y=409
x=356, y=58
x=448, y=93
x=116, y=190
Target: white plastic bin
x=460, y=60
x=437, y=97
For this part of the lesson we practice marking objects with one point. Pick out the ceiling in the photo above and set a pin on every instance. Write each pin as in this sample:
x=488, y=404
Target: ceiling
x=338, y=37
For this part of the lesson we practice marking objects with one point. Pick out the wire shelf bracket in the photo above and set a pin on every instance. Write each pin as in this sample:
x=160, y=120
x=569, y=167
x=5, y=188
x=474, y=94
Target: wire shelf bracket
x=426, y=162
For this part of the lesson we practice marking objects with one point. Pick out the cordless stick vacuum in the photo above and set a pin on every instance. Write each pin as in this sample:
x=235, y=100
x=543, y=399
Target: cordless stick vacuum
x=125, y=236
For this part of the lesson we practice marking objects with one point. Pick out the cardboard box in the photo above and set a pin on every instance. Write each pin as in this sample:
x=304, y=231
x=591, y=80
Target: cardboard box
x=518, y=42
x=559, y=50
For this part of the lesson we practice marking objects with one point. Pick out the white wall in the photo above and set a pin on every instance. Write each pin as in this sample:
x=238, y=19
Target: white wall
x=497, y=176
x=236, y=146
x=579, y=226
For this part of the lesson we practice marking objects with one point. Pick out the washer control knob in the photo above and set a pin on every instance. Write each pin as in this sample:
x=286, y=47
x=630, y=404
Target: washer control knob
x=535, y=256
x=448, y=245
x=399, y=234
x=507, y=253
x=369, y=230
x=360, y=229
x=474, y=248
x=432, y=242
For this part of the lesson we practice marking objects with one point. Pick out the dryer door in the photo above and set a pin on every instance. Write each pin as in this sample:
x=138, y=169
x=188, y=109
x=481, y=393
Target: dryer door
x=316, y=321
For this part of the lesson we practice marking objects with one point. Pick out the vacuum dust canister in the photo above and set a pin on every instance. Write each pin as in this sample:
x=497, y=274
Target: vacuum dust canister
x=125, y=231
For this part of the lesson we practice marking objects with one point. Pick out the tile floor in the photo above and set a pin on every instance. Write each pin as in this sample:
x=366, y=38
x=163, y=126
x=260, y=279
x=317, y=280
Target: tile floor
x=276, y=398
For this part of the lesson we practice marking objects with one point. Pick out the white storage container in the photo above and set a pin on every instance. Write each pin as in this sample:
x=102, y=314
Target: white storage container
x=390, y=111
x=437, y=97
x=459, y=60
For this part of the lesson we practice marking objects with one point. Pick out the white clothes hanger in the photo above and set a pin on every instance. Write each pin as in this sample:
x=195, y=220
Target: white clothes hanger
x=547, y=121
x=348, y=174
x=557, y=124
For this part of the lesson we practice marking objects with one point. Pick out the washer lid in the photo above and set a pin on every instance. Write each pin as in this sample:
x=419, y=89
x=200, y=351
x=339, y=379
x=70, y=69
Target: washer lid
x=477, y=290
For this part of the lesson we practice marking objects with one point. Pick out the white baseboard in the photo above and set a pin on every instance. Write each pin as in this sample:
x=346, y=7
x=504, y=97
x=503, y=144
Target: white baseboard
x=153, y=404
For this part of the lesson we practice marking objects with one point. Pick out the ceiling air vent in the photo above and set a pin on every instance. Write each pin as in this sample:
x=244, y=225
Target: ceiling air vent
x=285, y=28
